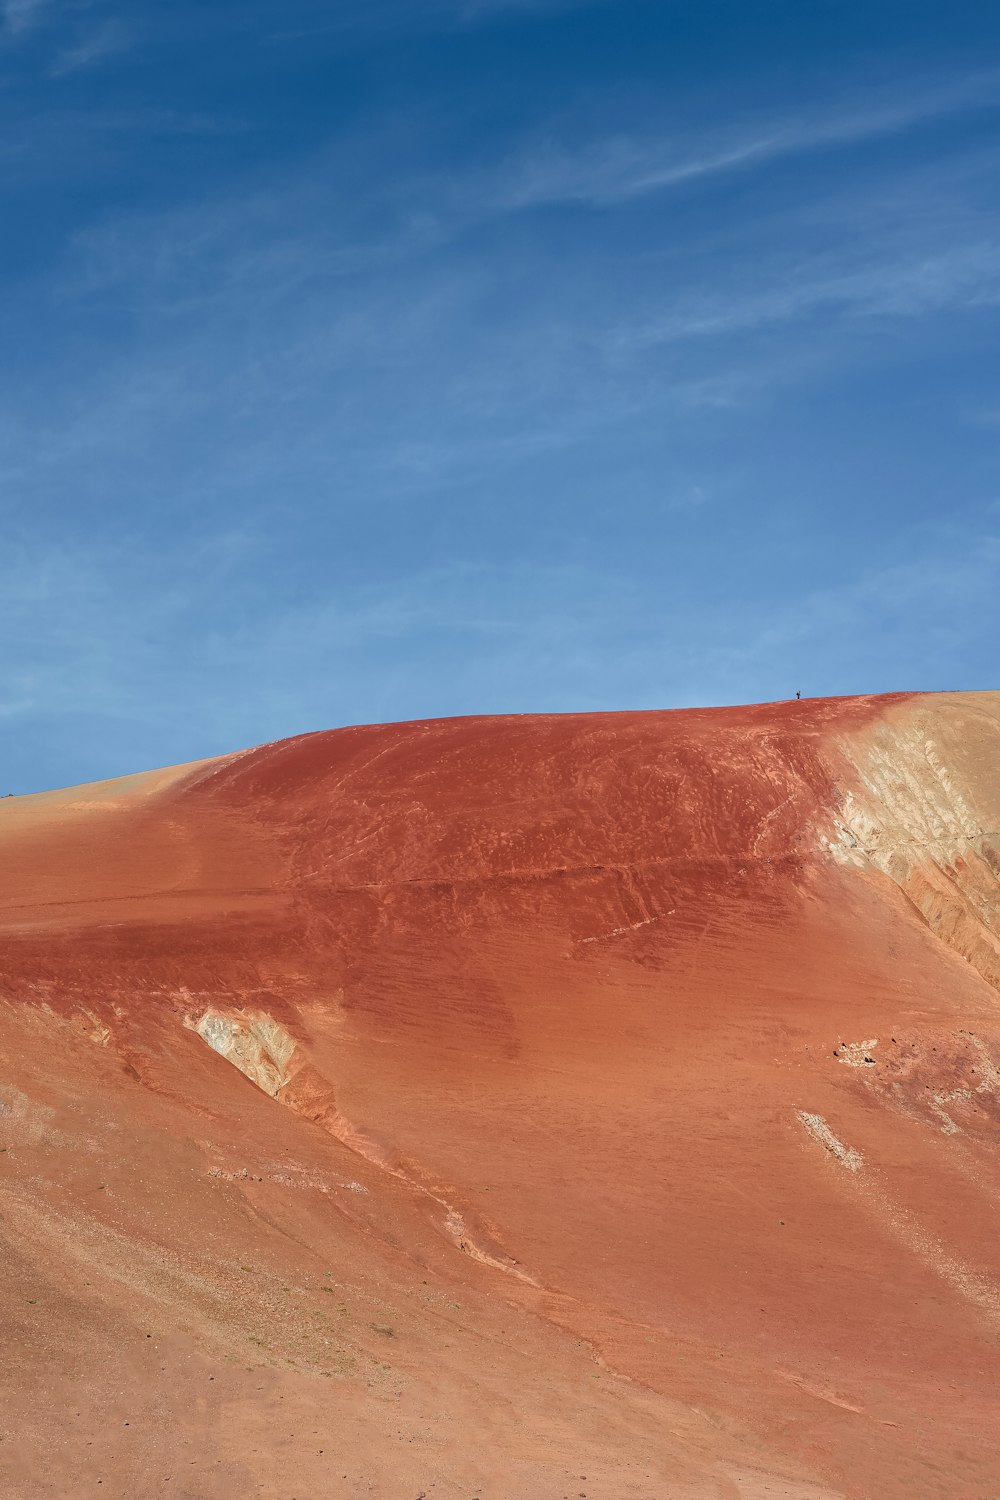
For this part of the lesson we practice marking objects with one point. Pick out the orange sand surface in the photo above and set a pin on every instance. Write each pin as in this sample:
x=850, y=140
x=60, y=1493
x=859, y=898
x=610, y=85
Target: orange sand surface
x=511, y=1109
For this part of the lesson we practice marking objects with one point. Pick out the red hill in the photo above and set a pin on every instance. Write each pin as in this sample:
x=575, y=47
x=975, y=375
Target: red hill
x=515, y=1107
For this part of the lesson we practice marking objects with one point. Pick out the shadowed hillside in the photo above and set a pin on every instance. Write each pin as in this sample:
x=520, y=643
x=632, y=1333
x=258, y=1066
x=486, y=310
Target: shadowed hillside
x=532, y=1107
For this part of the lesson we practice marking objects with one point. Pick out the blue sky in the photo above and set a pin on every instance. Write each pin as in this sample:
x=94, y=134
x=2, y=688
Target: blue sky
x=386, y=359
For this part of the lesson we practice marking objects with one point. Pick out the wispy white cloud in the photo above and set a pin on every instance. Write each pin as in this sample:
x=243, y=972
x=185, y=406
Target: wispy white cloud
x=94, y=47
x=78, y=44
x=307, y=321
x=892, y=284
x=20, y=16
x=478, y=10
x=349, y=20
x=614, y=170
x=417, y=212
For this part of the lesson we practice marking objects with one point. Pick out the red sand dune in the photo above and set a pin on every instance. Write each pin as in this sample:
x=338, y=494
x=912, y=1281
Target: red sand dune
x=533, y=1107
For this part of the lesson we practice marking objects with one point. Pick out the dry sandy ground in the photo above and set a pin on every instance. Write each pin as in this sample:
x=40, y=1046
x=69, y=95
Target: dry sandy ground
x=515, y=1108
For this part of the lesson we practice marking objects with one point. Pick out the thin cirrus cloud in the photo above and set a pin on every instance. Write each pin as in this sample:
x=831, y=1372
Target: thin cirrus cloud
x=477, y=10
x=446, y=393
x=896, y=286
x=217, y=259
x=610, y=172
x=95, y=47
x=268, y=247
x=80, y=45
x=21, y=16
x=371, y=18
x=421, y=209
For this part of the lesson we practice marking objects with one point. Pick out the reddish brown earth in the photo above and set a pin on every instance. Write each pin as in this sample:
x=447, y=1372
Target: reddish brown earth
x=599, y=1105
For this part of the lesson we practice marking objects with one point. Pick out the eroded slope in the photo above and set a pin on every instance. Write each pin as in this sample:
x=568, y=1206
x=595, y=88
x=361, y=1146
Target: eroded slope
x=631, y=1081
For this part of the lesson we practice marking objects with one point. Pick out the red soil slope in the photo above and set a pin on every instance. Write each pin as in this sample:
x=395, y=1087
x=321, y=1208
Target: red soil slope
x=596, y=1105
